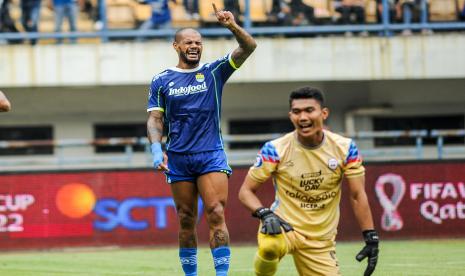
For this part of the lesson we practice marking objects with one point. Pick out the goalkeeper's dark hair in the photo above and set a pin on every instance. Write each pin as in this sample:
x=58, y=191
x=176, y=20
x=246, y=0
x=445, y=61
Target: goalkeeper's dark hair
x=307, y=93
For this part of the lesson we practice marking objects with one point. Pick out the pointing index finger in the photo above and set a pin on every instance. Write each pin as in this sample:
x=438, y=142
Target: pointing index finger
x=214, y=8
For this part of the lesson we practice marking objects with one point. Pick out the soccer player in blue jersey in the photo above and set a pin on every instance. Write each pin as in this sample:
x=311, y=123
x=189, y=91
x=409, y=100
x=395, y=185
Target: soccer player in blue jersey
x=5, y=105
x=187, y=99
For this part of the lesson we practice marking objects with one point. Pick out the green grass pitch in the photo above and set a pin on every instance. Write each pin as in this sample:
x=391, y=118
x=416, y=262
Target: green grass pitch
x=420, y=257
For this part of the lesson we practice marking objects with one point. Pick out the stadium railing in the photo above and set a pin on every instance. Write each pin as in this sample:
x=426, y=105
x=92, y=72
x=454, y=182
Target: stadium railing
x=385, y=28
x=63, y=158
x=443, y=151
x=393, y=152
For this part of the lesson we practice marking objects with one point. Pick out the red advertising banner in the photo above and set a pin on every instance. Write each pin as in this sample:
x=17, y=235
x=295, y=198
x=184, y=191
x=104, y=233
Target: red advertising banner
x=135, y=207
x=44, y=210
x=422, y=200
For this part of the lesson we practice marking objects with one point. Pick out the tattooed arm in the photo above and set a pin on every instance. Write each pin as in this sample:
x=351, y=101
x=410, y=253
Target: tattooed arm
x=155, y=126
x=154, y=134
x=246, y=42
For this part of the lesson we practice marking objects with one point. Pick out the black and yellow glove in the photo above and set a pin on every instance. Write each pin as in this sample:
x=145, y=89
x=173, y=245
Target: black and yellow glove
x=271, y=223
x=370, y=250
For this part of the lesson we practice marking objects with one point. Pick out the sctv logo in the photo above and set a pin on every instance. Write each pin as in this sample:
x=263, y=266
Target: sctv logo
x=78, y=200
x=112, y=213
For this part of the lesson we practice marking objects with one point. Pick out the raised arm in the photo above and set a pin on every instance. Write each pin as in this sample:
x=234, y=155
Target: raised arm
x=154, y=134
x=246, y=42
x=5, y=105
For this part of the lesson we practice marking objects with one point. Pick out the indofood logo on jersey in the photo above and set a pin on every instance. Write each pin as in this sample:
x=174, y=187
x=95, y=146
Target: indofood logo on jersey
x=188, y=90
x=439, y=201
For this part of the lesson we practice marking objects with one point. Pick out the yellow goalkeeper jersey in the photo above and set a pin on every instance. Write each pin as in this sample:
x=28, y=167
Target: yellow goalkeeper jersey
x=308, y=180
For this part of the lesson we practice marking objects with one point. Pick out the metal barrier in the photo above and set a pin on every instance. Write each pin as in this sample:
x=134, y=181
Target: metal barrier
x=385, y=28
x=60, y=158
x=417, y=151
x=440, y=134
x=82, y=159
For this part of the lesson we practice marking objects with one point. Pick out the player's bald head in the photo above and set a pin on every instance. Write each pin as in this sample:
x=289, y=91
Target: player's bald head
x=181, y=33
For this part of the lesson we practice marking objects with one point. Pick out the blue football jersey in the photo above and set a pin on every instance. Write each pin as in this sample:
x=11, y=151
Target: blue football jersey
x=191, y=102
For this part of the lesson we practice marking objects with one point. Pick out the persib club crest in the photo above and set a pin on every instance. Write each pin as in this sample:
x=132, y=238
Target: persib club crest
x=199, y=77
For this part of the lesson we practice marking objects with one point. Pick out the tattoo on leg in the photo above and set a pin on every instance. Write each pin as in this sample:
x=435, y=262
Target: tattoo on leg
x=220, y=238
x=187, y=239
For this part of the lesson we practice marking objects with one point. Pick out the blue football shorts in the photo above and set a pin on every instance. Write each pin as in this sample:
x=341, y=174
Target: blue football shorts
x=187, y=167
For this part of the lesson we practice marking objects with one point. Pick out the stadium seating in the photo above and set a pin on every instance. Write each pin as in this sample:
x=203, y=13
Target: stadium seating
x=323, y=8
x=327, y=10
x=259, y=10
x=142, y=12
x=120, y=14
x=443, y=10
x=180, y=17
x=370, y=11
x=128, y=14
x=47, y=19
x=207, y=16
x=178, y=14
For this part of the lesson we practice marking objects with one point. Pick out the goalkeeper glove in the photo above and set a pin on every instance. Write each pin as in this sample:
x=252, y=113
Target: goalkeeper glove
x=157, y=154
x=370, y=250
x=271, y=223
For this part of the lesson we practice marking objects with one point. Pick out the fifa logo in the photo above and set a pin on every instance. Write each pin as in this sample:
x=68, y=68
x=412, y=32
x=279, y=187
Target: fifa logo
x=438, y=201
x=391, y=219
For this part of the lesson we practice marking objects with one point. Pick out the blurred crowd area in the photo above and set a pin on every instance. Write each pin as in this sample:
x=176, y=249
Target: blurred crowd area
x=86, y=15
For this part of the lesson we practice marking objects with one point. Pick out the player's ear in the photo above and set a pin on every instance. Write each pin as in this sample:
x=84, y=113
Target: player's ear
x=289, y=114
x=325, y=112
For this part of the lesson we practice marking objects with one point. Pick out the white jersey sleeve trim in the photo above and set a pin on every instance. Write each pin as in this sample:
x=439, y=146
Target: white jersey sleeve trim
x=156, y=108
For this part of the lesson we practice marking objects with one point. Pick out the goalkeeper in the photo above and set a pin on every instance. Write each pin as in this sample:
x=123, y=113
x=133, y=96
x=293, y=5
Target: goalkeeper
x=307, y=167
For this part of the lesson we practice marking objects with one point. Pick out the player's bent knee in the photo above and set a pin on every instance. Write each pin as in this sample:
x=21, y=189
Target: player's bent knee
x=271, y=247
x=215, y=214
x=265, y=267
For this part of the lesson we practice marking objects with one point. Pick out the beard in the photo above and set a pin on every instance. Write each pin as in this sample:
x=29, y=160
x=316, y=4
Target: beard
x=184, y=59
